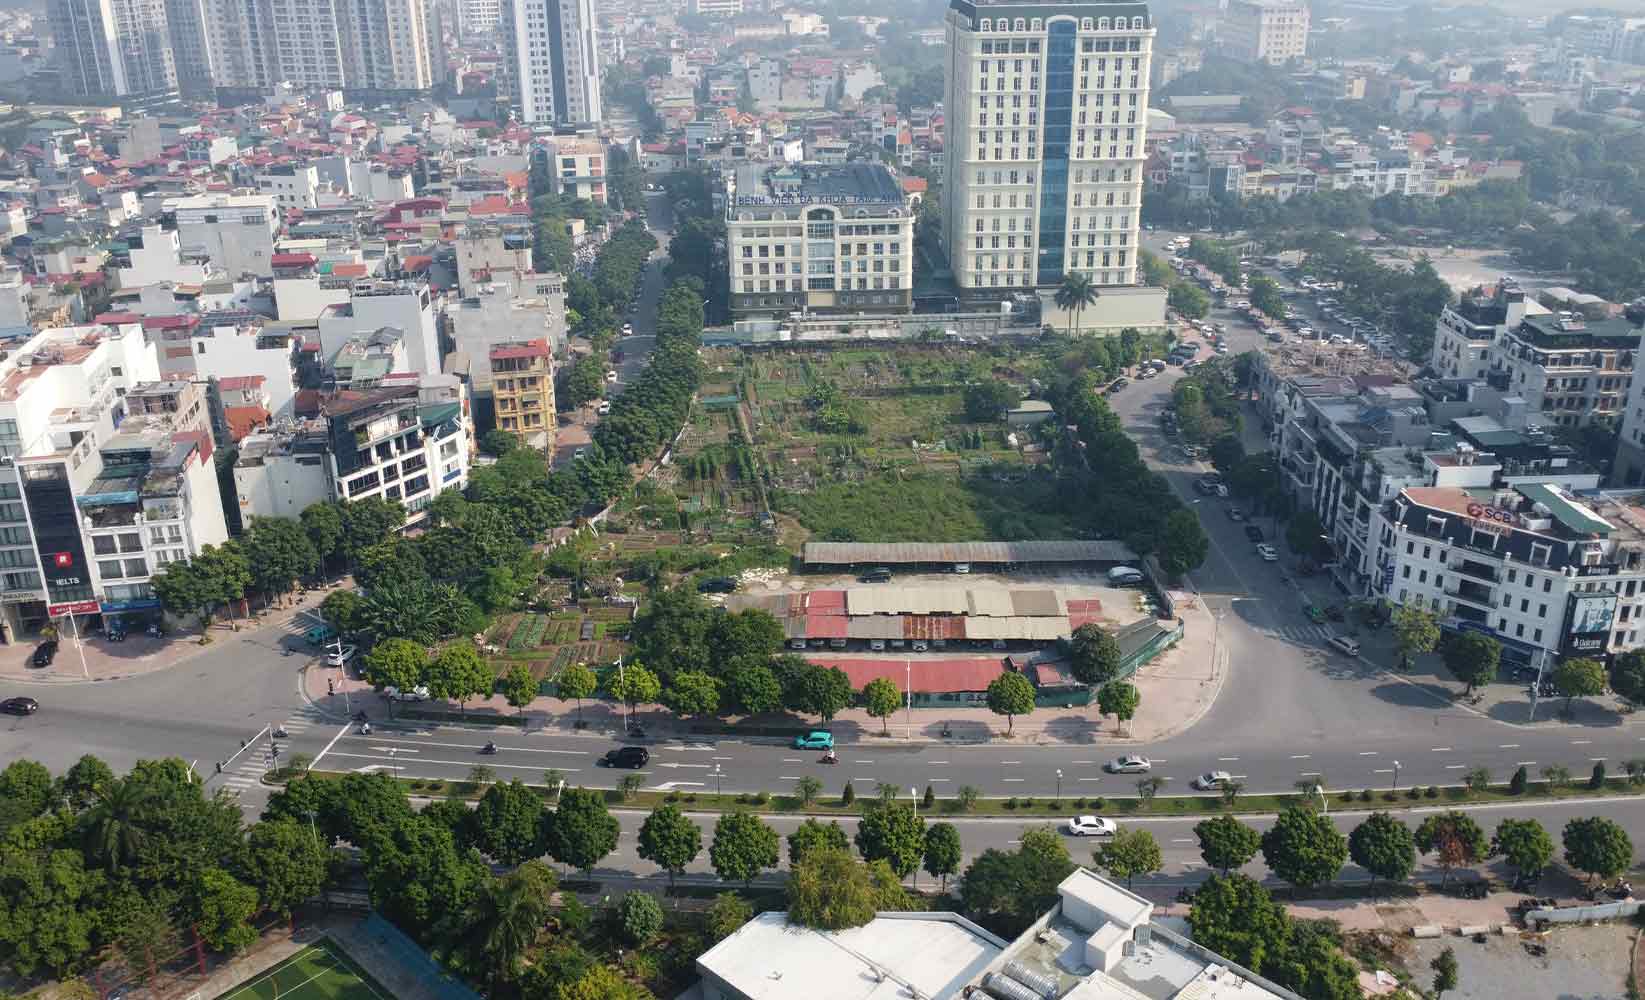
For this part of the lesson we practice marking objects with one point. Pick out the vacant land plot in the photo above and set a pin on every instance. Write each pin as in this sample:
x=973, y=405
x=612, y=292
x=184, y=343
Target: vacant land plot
x=318, y=972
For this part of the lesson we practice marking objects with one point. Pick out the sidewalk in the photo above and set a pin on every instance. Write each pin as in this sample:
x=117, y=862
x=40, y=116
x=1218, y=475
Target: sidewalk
x=1177, y=687
x=138, y=654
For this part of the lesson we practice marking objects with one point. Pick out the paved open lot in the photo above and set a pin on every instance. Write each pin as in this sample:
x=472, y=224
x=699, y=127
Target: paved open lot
x=1583, y=963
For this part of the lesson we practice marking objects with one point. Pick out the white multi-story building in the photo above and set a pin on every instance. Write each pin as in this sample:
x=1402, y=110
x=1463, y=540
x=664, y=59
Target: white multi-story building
x=381, y=45
x=717, y=8
x=578, y=168
x=1047, y=114
x=388, y=441
x=404, y=305
x=236, y=232
x=551, y=64
x=113, y=48
x=818, y=238
x=1266, y=31
x=291, y=185
x=481, y=17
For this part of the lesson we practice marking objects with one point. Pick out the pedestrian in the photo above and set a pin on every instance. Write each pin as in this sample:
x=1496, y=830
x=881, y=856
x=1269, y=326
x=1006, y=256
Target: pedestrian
x=331, y=686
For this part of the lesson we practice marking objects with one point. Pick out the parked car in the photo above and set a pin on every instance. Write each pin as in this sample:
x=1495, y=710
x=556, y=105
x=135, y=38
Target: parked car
x=630, y=757
x=628, y=329
x=1212, y=780
x=45, y=653
x=1345, y=644
x=816, y=739
x=1129, y=764
x=319, y=635
x=604, y=407
x=1235, y=514
x=1124, y=576
x=878, y=574
x=1314, y=613
x=418, y=693
x=1253, y=533
x=339, y=657
x=1091, y=826
x=1268, y=553
x=611, y=376
x=19, y=706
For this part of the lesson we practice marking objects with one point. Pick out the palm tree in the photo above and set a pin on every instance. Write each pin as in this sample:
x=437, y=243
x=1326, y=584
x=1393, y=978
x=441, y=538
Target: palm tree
x=1075, y=293
x=506, y=918
x=115, y=824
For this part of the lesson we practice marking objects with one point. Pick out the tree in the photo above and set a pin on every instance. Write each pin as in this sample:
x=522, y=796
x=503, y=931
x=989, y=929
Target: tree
x=285, y=862
x=323, y=524
x=815, y=835
x=830, y=890
x=1235, y=917
x=1416, y=631
x=806, y=789
x=397, y=663
x=1119, y=699
x=882, y=699
x=1304, y=848
x=498, y=442
x=78, y=787
x=1265, y=296
x=894, y=833
x=1075, y=293
x=519, y=686
x=279, y=552
x=1010, y=694
x=640, y=917
x=942, y=851
x=726, y=915
x=987, y=401
x=504, y=919
x=1454, y=838
x=1526, y=846
x=1628, y=676
x=576, y=682
x=1304, y=536
x=755, y=690
x=579, y=832
x=1006, y=891
x=602, y=982
x=634, y=685
x=818, y=690
x=224, y=907
x=1597, y=846
x=743, y=847
x=115, y=826
x=1472, y=658
x=459, y=674
x=1189, y=300
x=1129, y=853
x=1225, y=843
x=25, y=792
x=1579, y=677
x=507, y=823
x=1445, y=972
x=693, y=692
x=366, y=523
x=1183, y=544
x=1094, y=655
x=52, y=912
x=1382, y=845
x=669, y=840
x=342, y=610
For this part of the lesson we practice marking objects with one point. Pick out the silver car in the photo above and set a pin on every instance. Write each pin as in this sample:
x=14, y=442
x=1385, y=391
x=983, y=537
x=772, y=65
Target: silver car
x=1129, y=764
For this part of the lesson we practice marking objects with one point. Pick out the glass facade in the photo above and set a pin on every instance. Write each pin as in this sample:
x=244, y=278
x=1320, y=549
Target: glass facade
x=1059, y=117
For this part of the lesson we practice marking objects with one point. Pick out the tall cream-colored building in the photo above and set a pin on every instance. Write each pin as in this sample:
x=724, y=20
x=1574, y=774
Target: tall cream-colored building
x=1269, y=31
x=1047, y=114
x=386, y=45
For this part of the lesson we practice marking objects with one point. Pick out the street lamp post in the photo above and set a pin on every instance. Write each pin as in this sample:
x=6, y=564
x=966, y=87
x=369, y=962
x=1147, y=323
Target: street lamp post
x=1324, y=805
x=908, y=700
x=1396, y=776
x=914, y=797
x=1059, y=784
x=394, y=759
x=718, y=784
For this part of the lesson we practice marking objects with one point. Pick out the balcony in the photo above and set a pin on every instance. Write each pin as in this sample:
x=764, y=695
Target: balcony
x=1473, y=593
x=1469, y=614
x=1479, y=571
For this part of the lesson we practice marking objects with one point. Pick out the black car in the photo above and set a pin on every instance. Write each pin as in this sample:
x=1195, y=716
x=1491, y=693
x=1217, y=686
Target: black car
x=45, y=653
x=631, y=757
x=717, y=585
x=877, y=575
x=19, y=706
x=1253, y=532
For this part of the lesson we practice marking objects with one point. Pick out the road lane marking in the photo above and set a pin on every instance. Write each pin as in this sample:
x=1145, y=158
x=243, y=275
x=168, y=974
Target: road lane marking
x=1301, y=756
x=1455, y=767
x=1507, y=746
x=936, y=779
x=865, y=778
x=936, y=763
x=1383, y=770
x=1182, y=840
x=468, y=746
x=1013, y=779
x=862, y=762
x=792, y=760
x=1227, y=758
x=1090, y=779
x=455, y=763
x=1367, y=753
x=1596, y=759
x=340, y=734
x=1309, y=774
x=722, y=758
x=1525, y=763
x=1438, y=749
x=788, y=777
x=1093, y=762
x=1580, y=743
x=1010, y=762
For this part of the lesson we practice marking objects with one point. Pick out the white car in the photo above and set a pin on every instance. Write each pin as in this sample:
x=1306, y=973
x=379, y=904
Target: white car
x=418, y=693
x=338, y=657
x=611, y=376
x=1092, y=826
x=628, y=329
x=1268, y=552
x=1129, y=764
x=1345, y=645
x=1212, y=780
x=604, y=407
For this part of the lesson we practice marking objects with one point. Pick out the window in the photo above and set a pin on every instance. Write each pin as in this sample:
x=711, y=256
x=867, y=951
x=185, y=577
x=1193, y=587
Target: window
x=103, y=545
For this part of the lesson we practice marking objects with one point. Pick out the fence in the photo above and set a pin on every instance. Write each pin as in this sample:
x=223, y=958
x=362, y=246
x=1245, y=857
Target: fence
x=1582, y=914
x=415, y=960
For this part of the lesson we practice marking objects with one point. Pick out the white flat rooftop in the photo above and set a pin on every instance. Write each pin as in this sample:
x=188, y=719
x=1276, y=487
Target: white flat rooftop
x=935, y=953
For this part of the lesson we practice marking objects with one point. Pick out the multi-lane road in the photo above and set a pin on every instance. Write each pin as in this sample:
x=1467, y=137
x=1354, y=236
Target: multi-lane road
x=1288, y=711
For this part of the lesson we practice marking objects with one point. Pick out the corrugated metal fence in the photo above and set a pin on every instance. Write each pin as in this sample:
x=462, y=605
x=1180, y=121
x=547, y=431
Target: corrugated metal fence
x=1583, y=914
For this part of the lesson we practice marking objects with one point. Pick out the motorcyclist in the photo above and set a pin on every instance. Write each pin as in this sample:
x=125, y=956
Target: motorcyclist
x=489, y=748
x=831, y=757
x=365, y=729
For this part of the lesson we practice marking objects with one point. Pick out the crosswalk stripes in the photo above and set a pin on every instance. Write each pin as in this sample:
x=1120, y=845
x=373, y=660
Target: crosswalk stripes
x=1301, y=633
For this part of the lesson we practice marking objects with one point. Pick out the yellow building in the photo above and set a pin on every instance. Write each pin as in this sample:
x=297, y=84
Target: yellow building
x=522, y=381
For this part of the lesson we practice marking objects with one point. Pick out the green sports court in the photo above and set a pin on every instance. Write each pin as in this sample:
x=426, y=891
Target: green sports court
x=319, y=972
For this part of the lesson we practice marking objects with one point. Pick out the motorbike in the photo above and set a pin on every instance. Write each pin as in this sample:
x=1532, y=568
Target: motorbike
x=154, y=631
x=279, y=732
x=365, y=729
x=488, y=749
x=115, y=633
x=828, y=758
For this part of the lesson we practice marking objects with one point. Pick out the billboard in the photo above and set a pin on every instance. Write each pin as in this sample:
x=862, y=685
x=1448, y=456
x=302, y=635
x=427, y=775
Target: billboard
x=1590, y=620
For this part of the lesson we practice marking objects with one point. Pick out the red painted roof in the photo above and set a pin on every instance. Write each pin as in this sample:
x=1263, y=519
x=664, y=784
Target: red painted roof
x=417, y=262
x=529, y=349
x=825, y=602
x=234, y=382
x=170, y=322
x=242, y=420
x=292, y=260
x=923, y=674
x=349, y=270
x=826, y=626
